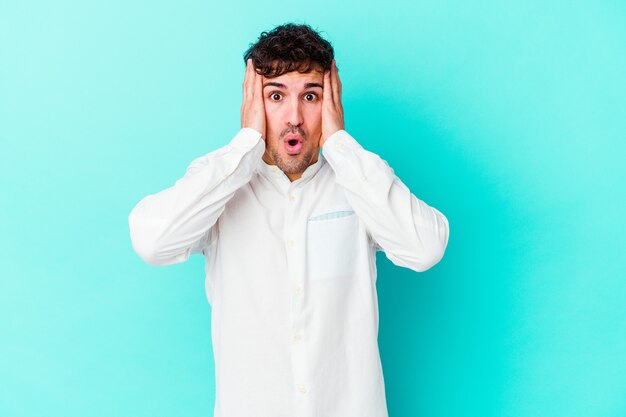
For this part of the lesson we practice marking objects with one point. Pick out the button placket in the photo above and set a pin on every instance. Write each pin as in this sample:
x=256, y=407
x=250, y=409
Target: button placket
x=295, y=263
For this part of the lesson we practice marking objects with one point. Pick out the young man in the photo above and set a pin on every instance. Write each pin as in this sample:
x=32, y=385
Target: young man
x=290, y=238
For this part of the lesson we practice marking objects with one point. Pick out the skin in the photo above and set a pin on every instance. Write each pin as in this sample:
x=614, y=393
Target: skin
x=308, y=104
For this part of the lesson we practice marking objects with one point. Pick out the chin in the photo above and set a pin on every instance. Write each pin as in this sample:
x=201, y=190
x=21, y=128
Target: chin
x=293, y=164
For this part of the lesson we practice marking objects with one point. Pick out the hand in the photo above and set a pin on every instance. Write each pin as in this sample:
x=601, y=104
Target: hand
x=252, y=106
x=332, y=109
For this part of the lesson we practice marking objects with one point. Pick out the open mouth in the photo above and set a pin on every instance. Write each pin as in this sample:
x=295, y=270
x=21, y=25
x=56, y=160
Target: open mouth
x=293, y=146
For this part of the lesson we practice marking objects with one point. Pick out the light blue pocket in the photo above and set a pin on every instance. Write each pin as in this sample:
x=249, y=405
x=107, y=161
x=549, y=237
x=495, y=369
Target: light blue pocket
x=331, y=215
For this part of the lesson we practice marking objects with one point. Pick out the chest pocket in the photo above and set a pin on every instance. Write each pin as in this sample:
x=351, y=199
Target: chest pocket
x=331, y=245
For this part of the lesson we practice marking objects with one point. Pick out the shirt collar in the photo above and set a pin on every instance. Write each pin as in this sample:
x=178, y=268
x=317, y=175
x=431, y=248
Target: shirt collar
x=275, y=174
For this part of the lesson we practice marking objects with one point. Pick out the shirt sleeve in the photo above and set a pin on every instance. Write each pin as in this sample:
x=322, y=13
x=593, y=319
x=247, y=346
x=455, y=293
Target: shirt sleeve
x=167, y=227
x=411, y=233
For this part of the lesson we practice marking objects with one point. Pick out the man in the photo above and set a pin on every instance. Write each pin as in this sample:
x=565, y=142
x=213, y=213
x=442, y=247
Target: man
x=290, y=236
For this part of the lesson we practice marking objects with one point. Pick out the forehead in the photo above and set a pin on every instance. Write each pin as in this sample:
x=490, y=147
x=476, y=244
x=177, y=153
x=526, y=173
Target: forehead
x=295, y=80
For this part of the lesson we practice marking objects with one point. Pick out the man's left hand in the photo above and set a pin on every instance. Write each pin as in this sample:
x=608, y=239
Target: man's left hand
x=332, y=110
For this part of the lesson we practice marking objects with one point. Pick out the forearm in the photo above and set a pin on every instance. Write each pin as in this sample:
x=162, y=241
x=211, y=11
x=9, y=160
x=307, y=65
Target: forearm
x=166, y=227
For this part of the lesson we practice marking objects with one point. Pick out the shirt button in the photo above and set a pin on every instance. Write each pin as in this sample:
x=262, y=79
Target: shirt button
x=291, y=243
x=297, y=337
x=302, y=389
x=297, y=289
x=291, y=198
x=274, y=168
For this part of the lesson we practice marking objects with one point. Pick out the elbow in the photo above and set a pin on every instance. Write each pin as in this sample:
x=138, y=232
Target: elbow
x=428, y=259
x=145, y=250
x=420, y=260
x=146, y=254
x=441, y=241
x=429, y=252
x=154, y=254
x=435, y=255
x=143, y=245
x=144, y=237
x=437, y=245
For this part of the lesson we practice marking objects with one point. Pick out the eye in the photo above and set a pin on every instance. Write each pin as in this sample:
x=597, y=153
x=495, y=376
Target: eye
x=310, y=96
x=274, y=95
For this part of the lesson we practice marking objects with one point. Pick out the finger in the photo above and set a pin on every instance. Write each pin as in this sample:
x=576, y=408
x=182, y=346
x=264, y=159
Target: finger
x=247, y=80
x=328, y=92
x=258, y=86
x=245, y=77
x=338, y=80
x=335, y=84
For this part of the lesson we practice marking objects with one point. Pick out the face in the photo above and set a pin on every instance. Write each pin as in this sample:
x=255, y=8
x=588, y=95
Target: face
x=293, y=116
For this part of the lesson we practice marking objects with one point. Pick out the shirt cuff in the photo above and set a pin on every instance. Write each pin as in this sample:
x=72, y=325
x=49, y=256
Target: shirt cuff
x=340, y=141
x=246, y=139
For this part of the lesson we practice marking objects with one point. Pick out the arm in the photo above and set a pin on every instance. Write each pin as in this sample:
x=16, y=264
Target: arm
x=411, y=233
x=167, y=227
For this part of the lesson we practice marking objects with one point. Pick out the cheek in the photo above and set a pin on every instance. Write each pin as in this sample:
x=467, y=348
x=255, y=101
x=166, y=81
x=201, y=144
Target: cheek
x=271, y=115
x=315, y=118
x=273, y=125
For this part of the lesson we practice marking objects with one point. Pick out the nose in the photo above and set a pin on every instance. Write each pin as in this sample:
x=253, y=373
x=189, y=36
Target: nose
x=294, y=113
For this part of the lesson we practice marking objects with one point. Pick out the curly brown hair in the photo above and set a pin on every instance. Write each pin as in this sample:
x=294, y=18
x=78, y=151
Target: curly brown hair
x=289, y=47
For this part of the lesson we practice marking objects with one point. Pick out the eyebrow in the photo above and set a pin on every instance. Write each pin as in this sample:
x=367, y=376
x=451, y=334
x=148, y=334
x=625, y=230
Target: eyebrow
x=283, y=86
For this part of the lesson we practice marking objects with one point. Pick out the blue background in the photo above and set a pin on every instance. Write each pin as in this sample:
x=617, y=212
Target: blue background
x=509, y=117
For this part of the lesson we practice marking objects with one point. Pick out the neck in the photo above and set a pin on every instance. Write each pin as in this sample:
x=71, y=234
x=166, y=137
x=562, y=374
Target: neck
x=293, y=177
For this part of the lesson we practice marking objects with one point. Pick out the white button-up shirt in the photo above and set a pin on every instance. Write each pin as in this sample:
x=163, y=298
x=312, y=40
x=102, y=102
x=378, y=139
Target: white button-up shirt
x=291, y=270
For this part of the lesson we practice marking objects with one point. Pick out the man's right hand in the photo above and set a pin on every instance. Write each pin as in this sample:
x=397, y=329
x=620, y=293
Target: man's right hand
x=252, y=106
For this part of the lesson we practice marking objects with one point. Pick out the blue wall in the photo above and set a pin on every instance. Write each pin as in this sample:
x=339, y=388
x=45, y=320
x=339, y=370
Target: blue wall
x=510, y=118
